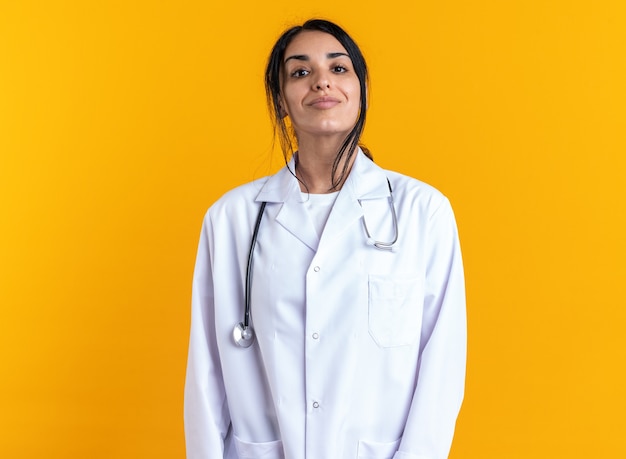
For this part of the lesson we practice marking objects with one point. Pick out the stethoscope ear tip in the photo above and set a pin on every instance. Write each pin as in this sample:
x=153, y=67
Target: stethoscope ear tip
x=386, y=247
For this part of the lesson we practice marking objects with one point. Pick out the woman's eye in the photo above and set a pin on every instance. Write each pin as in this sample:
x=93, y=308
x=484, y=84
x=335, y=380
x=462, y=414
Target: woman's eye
x=299, y=73
x=339, y=69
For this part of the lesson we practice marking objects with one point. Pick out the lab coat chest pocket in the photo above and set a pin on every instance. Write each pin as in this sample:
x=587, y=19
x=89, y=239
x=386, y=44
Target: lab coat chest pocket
x=395, y=309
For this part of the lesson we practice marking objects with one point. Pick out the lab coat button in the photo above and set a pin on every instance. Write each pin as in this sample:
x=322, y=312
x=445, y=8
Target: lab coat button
x=316, y=405
x=316, y=269
x=316, y=335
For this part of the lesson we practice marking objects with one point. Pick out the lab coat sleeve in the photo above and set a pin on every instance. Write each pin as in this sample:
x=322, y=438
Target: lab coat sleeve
x=440, y=386
x=205, y=408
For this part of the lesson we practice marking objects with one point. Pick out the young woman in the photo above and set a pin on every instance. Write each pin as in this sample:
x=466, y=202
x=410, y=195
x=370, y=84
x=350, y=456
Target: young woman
x=328, y=315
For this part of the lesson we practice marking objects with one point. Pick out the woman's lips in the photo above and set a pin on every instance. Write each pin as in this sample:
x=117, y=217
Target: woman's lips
x=323, y=103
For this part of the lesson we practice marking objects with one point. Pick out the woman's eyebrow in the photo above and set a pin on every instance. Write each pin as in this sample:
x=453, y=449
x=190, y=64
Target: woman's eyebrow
x=304, y=57
x=299, y=57
x=334, y=55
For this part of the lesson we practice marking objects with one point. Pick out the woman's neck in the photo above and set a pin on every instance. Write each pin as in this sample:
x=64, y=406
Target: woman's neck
x=314, y=166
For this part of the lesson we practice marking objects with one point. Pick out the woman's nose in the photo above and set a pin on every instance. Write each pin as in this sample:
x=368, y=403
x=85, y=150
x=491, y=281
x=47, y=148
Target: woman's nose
x=321, y=83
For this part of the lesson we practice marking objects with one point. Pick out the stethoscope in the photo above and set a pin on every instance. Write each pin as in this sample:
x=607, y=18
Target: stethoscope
x=243, y=332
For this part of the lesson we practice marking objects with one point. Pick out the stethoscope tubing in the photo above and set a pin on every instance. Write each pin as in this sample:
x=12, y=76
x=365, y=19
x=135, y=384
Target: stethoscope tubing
x=246, y=316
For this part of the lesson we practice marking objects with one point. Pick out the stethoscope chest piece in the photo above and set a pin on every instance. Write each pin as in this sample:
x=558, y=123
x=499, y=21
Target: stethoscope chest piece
x=243, y=336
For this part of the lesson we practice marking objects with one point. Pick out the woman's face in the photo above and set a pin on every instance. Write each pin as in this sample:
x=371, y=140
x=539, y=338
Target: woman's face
x=320, y=90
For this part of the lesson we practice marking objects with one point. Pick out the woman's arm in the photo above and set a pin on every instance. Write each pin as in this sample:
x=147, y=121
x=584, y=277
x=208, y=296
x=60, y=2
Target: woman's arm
x=206, y=411
x=437, y=400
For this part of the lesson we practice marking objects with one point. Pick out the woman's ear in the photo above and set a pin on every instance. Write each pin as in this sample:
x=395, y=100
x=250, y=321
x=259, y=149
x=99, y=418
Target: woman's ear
x=281, y=109
x=282, y=113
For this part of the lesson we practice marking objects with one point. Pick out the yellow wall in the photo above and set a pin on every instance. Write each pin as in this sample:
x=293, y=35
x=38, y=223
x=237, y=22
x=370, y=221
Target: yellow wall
x=121, y=121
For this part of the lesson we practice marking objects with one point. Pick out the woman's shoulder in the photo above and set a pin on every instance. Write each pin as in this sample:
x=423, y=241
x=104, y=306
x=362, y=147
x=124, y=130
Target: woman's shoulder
x=411, y=188
x=238, y=198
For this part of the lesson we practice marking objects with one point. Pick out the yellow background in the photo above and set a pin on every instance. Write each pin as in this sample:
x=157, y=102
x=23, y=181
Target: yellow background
x=122, y=121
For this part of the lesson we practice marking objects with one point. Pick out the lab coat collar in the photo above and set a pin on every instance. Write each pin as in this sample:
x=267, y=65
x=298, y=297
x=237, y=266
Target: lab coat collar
x=365, y=181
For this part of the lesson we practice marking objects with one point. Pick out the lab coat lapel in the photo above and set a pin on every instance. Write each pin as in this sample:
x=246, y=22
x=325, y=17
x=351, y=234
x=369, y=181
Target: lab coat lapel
x=295, y=219
x=345, y=211
x=366, y=181
x=283, y=188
